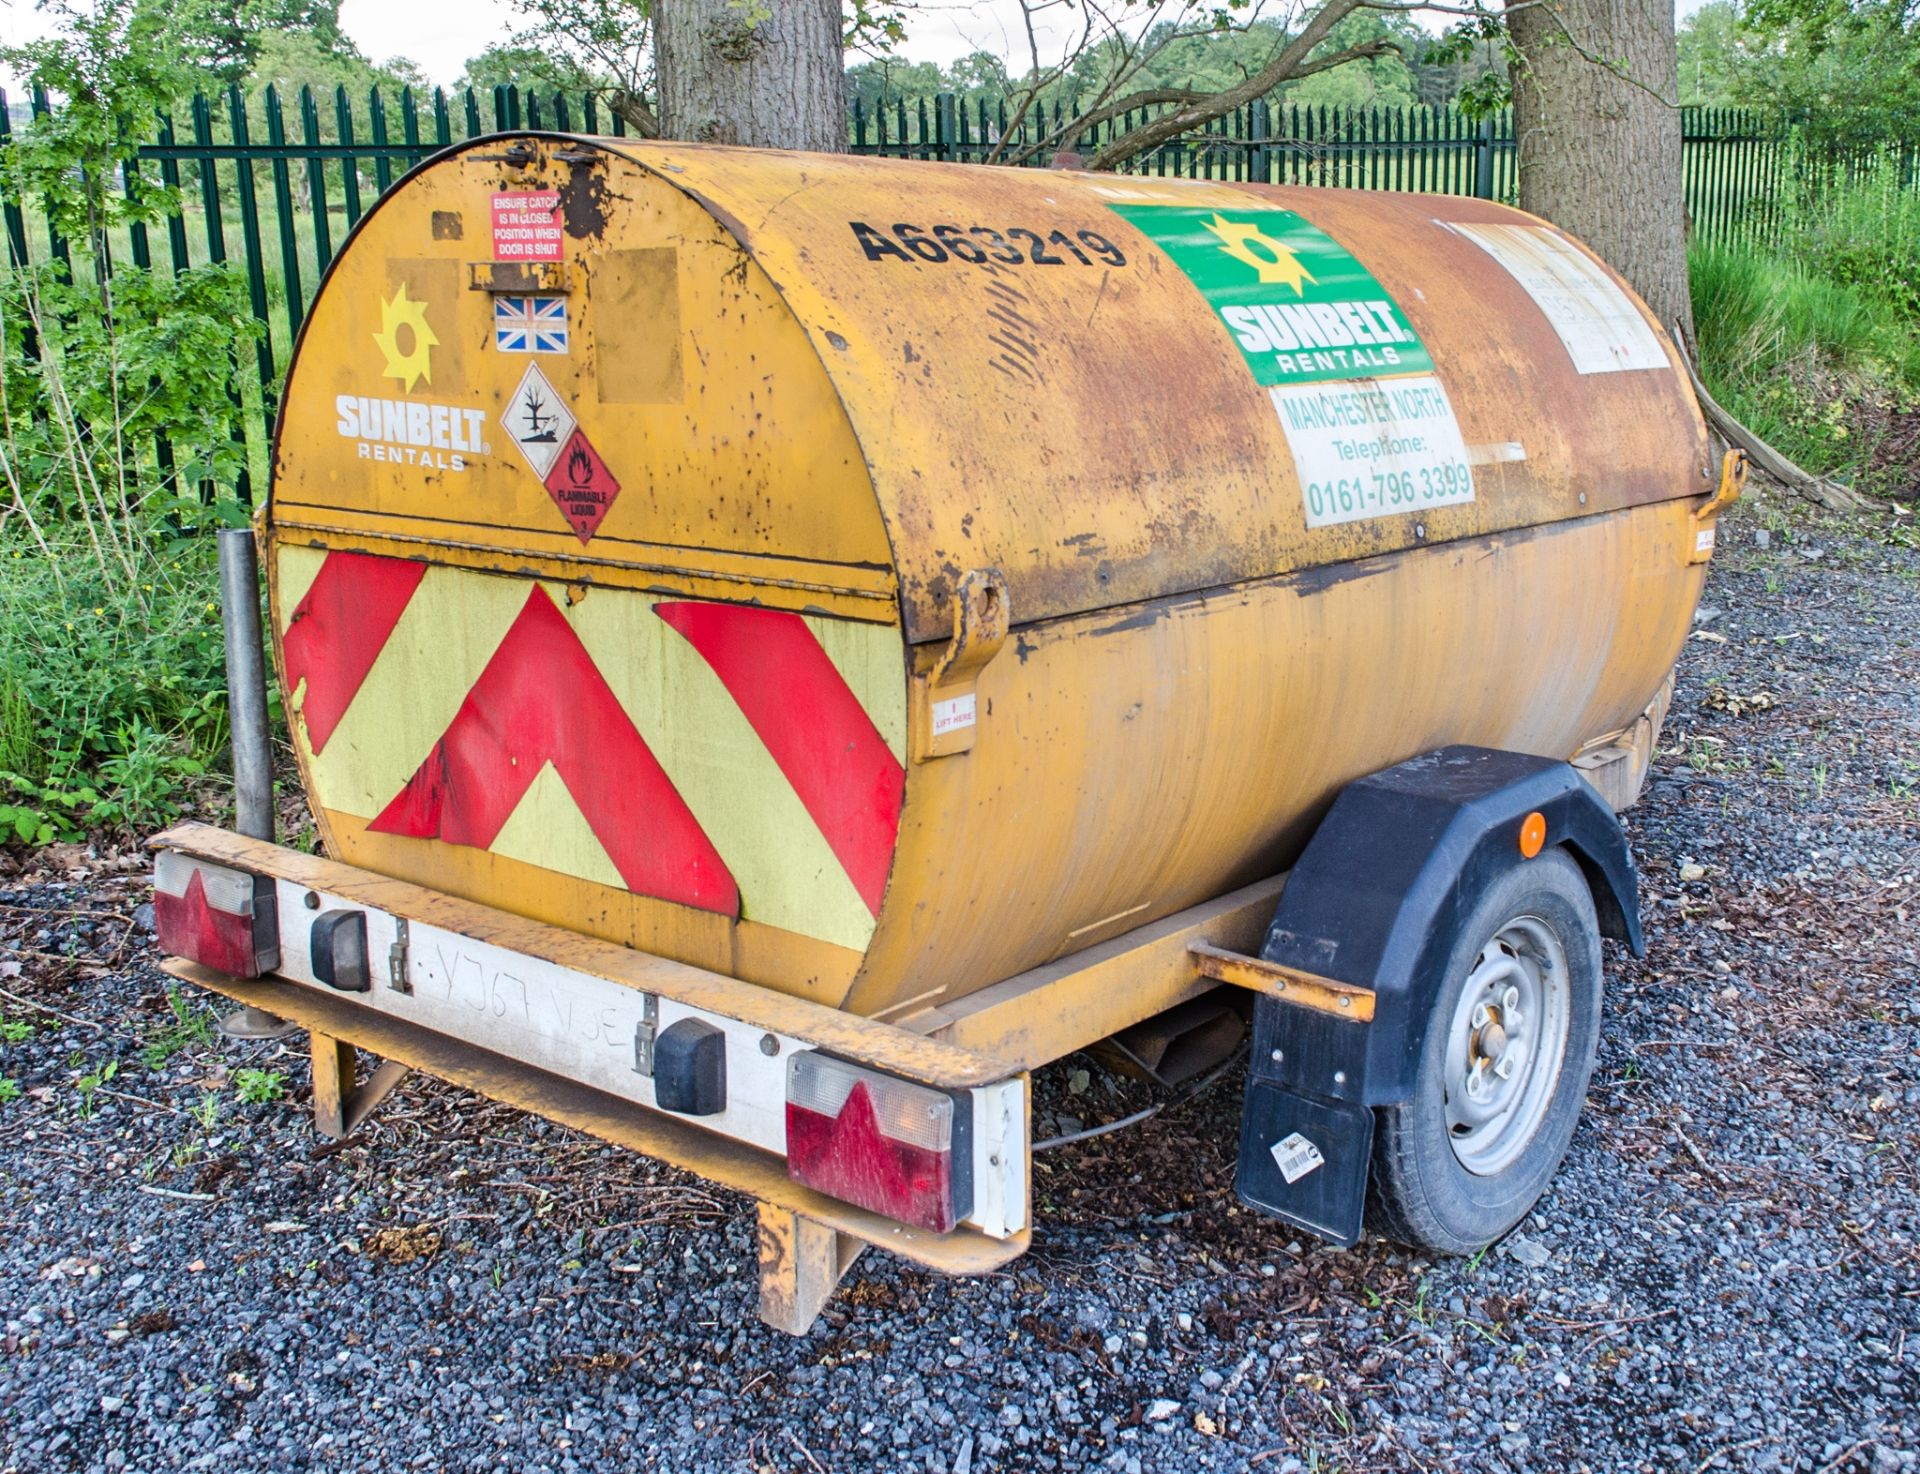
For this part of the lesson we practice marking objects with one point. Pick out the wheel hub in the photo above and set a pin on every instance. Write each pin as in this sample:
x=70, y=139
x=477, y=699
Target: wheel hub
x=1505, y=1045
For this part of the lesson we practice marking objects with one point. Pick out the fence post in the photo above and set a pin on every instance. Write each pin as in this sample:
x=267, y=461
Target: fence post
x=15, y=216
x=946, y=145
x=1260, y=131
x=1483, y=160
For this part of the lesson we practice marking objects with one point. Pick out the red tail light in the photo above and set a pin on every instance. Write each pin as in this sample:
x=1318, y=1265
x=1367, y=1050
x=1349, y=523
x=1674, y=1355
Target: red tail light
x=877, y=1142
x=220, y=918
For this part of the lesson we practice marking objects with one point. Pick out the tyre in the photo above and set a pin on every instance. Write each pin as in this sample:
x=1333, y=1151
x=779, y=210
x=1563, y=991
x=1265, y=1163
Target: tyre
x=1504, y=1067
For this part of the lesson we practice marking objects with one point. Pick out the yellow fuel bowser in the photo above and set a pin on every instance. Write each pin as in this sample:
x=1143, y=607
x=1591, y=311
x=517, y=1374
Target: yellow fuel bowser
x=779, y=646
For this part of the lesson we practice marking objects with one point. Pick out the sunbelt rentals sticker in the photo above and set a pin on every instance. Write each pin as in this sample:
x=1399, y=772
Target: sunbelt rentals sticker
x=1364, y=413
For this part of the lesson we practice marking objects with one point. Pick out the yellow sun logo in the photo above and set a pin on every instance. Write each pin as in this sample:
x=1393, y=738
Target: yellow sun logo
x=413, y=362
x=1274, y=261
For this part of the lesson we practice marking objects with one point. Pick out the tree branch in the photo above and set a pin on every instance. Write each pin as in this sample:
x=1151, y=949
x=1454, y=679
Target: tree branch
x=1286, y=64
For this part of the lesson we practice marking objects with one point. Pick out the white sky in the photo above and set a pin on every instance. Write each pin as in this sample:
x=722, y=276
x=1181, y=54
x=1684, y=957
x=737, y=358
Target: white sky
x=441, y=34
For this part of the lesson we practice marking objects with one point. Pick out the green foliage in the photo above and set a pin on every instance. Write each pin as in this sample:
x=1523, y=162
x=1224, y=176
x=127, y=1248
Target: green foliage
x=14, y=1030
x=188, y=1026
x=95, y=370
x=257, y=1087
x=110, y=651
x=291, y=59
x=91, y=1081
x=125, y=702
x=1863, y=232
x=530, y=68
x=1847, y=71
x=9, y=1090
x=1816, y=345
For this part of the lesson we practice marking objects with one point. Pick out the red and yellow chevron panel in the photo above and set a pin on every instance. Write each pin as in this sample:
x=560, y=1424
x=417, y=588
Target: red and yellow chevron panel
x=740, y=761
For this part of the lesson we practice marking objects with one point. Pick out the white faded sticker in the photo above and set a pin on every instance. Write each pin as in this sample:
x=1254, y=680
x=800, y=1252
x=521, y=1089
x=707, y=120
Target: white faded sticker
x=1296, y=1157
x=1603, y=330
x=1703, y=540
x=953, y=714
x=1373, y=447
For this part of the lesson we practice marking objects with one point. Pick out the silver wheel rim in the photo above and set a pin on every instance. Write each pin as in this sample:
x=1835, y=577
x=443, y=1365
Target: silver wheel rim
x=1505, y=1045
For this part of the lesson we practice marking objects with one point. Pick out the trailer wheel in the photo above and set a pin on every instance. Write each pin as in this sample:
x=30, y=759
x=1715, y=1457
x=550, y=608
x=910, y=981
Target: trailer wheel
x=1503, y=1068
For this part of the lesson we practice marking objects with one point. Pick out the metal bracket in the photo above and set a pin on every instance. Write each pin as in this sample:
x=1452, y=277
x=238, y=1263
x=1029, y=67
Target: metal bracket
x=1733, y=480
x=943, y=715
x=645, y=1033
x=1288, y=984
x=341, y=1102
x=397, y=959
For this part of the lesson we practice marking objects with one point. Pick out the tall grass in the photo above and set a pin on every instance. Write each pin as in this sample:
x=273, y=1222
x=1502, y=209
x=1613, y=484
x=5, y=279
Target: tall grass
x=1815, y=343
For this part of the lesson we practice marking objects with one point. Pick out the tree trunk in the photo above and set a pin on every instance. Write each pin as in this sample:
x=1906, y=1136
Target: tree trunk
x=1599, y=137
x=766, y=74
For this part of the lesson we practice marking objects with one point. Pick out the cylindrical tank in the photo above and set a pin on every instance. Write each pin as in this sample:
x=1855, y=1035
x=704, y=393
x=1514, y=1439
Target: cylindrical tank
x=874, y=579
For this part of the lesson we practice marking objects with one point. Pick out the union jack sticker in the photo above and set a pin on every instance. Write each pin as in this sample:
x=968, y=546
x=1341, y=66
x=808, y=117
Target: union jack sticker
x=530, y=324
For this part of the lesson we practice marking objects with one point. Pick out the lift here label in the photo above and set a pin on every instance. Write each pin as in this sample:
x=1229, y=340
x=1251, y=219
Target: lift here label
x=1300, y=308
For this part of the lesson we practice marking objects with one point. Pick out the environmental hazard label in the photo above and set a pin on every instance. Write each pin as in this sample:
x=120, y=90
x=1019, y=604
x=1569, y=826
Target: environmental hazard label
x=1298, y=305
x=526, y=226
x=538, y=420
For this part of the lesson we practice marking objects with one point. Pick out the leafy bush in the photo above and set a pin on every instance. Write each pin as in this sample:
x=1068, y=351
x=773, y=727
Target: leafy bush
x=109, y=708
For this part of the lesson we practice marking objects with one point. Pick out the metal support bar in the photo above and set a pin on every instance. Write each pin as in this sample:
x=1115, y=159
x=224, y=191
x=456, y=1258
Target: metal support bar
x=340, y=1103
x=247, y=722
x=802, y=1262
x=1288, y=984
x=246, y=683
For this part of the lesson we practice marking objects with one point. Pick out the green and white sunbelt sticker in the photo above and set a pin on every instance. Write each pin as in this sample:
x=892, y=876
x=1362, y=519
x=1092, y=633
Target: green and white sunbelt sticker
x=1298, y=304
x=1366, y=416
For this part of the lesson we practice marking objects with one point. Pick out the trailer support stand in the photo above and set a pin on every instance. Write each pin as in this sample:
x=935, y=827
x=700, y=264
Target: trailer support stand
x=340, y=1103
x=801, y=1264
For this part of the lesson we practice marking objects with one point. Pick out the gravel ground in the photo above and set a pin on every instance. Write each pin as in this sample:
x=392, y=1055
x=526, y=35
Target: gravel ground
x=1722, y=1277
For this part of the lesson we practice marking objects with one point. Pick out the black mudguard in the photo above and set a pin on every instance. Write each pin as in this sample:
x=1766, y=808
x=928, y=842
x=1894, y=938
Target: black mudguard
x=1376, y=901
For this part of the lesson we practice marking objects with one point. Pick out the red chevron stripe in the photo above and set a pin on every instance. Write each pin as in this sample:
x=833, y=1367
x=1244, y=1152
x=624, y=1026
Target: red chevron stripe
x=815, y=727
x=542, y=700
x=338, y=630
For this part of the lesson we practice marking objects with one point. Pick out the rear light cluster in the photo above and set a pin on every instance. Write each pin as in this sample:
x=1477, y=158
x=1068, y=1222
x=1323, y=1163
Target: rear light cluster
x=879, y=1143
x=220, y=918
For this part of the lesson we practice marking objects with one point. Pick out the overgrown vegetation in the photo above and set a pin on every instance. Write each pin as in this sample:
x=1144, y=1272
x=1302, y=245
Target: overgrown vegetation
x=122, y=436
x=1815, y=343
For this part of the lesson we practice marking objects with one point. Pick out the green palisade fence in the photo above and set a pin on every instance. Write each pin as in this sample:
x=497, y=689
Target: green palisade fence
x=274, y=184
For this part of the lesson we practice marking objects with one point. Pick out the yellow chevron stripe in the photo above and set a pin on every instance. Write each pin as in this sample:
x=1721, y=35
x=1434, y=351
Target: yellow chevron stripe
x=547, y=829
x=788, y=876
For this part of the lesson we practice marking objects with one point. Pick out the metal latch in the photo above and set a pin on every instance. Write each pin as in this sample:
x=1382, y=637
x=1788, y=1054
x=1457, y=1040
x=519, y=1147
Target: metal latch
x=397, y=958
x=644, y=1034
x=944, y=714
x=1733, y=480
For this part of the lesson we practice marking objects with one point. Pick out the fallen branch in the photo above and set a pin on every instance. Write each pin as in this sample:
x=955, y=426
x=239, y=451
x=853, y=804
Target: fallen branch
x=1833, y=495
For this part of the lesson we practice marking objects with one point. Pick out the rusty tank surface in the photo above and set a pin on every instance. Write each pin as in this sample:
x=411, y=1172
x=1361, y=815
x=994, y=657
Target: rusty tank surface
x=874, y=580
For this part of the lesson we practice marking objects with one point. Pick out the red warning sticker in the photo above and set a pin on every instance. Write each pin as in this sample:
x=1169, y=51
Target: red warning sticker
x=526, y=226
x=581, y=485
